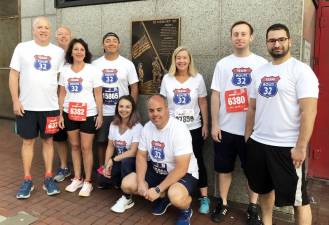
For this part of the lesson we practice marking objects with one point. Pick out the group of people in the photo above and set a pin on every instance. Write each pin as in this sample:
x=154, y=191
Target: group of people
x=261, y=111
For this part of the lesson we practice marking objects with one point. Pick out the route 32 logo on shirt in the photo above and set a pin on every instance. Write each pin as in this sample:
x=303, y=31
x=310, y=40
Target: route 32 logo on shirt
x=74, y=85
x=268, y=86
x=110, y=76
x=241, y=76
x=42, y=62
x=182, y=96
x=157, y=150
x=120, y=146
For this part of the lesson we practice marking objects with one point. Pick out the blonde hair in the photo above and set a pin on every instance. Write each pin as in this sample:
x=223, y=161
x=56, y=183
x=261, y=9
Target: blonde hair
x=192, y=71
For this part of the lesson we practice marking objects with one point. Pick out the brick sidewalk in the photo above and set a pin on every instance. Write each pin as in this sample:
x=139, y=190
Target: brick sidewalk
x=68, y=208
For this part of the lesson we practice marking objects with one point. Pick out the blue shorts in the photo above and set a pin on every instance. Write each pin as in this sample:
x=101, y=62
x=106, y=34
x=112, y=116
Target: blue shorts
x=154, y=179
x=227, y=150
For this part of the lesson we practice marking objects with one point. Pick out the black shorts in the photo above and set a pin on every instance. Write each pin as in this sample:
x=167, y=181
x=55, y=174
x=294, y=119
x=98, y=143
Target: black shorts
x=102, y=134
x=227, y=150
x=271, y=168
x=60, y=136
x=153, y=179
x=33, y=123
x=87, y=126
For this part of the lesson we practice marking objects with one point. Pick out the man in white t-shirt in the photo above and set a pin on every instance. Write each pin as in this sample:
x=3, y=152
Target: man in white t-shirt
x=280, y=120
x=33, y=88
x=63, y=38
x=119, y=74
x=229, y=103
x=172, y=168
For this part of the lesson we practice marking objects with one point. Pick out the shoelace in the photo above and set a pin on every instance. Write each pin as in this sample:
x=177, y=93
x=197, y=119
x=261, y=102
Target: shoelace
x=50, y=184
x=204, y=201
x=25, y=185
x=185, y=214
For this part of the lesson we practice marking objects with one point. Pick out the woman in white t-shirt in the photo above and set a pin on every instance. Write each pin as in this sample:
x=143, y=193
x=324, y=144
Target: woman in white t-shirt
x=121, y=150
x=80, y=103
x=186, y=92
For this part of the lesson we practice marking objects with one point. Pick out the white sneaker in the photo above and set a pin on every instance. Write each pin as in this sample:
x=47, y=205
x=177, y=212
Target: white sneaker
x=122, y=204
x=75, y=185
x=86, y=189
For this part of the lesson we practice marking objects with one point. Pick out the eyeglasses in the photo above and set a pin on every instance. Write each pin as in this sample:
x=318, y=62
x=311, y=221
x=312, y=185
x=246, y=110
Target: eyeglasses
x=280, y=40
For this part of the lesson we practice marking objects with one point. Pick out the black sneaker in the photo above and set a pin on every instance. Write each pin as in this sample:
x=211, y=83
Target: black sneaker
x=253, y=217
x=219, y=211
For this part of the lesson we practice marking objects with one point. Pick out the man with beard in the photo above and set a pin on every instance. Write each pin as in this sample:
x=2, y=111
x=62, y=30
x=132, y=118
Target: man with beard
x=280, y=119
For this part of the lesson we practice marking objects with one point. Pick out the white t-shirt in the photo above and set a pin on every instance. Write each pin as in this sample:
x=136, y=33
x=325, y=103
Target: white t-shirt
x=183, y=98
x=277, y=89
x=165, y=144
x=122, y=142
x=38, y=67
x=117, y=75
x=234, y=73
x=80, y=86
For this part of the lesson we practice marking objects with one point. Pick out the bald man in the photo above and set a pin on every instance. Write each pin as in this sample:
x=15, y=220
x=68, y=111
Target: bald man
x=63, y=38
x=33, y=88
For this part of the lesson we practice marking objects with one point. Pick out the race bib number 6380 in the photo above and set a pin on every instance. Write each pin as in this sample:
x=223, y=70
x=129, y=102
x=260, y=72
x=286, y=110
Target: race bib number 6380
x=236, y=100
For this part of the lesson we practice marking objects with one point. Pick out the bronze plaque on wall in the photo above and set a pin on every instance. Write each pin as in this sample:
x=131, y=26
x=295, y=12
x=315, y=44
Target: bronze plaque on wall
x=153, y=42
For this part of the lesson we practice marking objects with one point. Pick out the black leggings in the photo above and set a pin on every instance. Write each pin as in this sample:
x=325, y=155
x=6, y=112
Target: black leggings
x=197, y=143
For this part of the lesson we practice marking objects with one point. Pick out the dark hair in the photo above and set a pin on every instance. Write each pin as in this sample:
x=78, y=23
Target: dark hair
x=109, y=34
x=68, y=55
x=278, y=26
x=242, y=22
x=134, y=116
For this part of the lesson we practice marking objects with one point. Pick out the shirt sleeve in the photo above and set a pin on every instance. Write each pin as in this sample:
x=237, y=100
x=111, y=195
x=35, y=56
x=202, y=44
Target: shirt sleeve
x=307, y=85
x=252, y=92
x=202, y=87
x=142, y=145
x=111, y=132
x=137, y=129
x=15, y=62
x=132, y=74
x=182, y=140
x=97, y=77
x=215, y=84
x=163, y=86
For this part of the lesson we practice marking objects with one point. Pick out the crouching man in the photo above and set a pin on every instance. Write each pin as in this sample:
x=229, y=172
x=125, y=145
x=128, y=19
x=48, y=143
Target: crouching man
x=166, y=168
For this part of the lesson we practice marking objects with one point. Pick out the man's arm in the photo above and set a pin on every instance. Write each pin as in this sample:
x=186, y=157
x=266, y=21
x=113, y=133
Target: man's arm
x=134, y=91
x=181, y=168
x=14, y=89
x=308, y=110
x=141, y=167
x=215, y=105
x=250, y=118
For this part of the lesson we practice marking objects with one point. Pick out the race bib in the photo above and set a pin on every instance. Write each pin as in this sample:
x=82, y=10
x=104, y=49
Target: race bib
x=52, y=125
x=236, y=100
x=185, y=115
x=77, y=111
x=160, y=168
x=110, y=95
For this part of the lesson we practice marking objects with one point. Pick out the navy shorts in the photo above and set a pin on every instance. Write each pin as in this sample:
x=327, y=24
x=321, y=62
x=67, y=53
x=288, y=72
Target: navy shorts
x=60, y=136
x=154, y=179
x=227, y=150
x=33, y=123
x=87, y=126
x=271, y=168
x=102, y=134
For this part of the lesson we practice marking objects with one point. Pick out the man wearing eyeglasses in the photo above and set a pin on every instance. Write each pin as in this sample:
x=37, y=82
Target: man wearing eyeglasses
x=280, y=119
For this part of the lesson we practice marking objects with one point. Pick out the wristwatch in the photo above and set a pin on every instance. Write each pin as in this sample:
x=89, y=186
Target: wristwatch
x=157, y=189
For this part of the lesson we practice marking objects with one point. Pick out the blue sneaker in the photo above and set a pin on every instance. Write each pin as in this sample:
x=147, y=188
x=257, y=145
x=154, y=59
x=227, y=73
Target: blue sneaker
x=50, y=186
x=161, y=206
x=25, y=189
x=204, y=205
x=184, y=217
x=61, y=174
